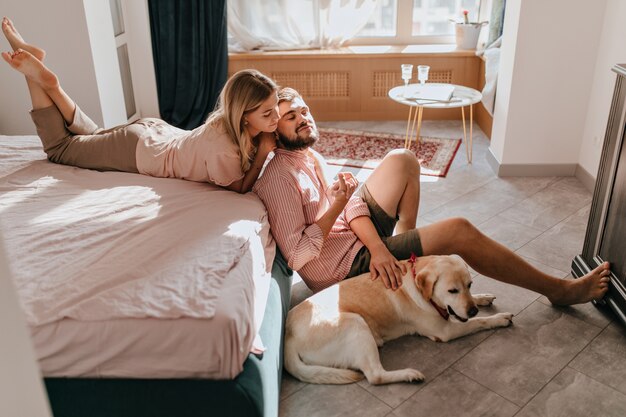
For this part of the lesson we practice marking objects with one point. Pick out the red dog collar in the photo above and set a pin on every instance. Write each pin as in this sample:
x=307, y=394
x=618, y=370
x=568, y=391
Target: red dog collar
x=412, y=260
x=442, y=312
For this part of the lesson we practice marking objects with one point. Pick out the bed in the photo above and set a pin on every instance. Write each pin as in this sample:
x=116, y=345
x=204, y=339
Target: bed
x=144, y=296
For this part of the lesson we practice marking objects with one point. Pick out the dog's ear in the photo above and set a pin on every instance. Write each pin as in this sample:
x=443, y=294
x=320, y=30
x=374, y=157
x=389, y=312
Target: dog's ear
x=425, y=281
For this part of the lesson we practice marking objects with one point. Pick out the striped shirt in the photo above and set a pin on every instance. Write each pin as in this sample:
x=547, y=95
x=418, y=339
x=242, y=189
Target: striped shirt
x=295, y=198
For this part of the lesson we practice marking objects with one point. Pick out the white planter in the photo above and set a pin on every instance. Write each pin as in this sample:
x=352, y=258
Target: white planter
x=467, y=35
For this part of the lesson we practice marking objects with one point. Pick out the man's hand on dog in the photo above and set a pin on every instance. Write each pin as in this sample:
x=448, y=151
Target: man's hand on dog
x=384, y=265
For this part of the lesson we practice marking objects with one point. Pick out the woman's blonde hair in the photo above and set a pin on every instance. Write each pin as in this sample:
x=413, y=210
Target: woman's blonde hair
x=243, y=93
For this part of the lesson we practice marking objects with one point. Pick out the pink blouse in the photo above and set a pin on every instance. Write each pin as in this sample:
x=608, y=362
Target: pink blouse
x=205, y=154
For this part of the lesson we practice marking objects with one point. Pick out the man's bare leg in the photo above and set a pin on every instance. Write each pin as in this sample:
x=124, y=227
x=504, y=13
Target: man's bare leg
x=488, y=257
x=42, y=95
x=395, y=185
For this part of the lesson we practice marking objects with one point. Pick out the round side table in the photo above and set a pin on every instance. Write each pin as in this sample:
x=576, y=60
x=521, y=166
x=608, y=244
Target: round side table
x=461, y=97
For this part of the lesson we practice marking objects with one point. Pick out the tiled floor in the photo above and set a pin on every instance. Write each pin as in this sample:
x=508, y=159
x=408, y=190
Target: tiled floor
x=551, y=362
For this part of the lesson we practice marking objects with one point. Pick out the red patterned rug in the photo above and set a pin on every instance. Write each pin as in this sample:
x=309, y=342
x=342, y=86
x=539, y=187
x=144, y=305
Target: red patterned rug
x=366, y=149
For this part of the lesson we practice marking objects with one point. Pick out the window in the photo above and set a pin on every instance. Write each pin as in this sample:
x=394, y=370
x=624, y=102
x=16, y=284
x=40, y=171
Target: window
x=415, y=21
x=121, y=40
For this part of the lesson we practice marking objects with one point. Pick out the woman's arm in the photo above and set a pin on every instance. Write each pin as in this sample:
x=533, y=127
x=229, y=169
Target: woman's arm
x=267, y=143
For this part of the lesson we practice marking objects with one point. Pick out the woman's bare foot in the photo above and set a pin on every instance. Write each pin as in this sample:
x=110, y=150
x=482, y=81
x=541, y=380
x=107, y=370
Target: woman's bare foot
x=32, y=68
x=590, y=287
x=17, y=42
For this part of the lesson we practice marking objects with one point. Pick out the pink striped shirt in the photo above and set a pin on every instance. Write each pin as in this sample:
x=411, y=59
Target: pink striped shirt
x=292, y=194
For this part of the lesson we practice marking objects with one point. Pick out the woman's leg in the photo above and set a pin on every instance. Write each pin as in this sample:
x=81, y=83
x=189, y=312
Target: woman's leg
x=46, y=91
x=38, y=96
x=395, y=186
x=114, y=149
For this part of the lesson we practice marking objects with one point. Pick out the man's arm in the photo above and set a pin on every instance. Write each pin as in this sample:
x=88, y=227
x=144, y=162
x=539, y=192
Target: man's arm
x=299, y=242
x=340, y=193
x=382, y=263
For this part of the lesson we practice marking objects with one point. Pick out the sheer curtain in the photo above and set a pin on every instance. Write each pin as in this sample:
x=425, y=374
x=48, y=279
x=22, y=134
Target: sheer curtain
x=301, y=24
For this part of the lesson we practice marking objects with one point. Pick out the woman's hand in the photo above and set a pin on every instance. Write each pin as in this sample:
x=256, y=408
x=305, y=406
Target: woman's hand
x=384, y=265
x=267, y=143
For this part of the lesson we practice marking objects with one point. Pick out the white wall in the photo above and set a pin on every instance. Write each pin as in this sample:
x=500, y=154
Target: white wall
x=78, y=38
x=611, y=51
x=21, y=387
x=67, y=44
x=547, y=66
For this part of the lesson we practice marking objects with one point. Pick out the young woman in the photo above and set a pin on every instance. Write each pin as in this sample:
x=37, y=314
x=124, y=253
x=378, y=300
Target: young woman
x=228, y=150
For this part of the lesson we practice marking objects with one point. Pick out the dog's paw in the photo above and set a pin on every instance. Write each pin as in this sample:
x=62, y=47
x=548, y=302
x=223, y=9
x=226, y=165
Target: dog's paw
x=502, y=319
x=413, y=375
x=484, y=299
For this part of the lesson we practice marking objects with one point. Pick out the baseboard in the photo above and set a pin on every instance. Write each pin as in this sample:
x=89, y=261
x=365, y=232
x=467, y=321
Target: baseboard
x=492, y=161
x=536, y=170
x=588, y=180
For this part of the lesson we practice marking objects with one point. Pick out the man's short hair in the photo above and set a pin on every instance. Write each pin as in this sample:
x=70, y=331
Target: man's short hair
x=287, y=94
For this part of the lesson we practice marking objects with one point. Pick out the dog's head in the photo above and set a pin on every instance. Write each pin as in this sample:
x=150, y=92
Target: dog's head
x=446, y=281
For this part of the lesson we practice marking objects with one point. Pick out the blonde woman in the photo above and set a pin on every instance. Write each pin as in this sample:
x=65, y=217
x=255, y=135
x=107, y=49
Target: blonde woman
x=229, y=150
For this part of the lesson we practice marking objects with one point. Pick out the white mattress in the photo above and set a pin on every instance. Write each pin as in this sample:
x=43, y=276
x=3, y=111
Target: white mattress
x=124, y=275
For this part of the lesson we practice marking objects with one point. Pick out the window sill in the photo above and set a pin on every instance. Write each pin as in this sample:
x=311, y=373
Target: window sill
x=360, y=51
x=353, y=83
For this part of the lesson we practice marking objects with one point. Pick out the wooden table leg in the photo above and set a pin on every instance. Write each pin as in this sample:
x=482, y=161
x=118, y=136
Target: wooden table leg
x=471, y=138
x=420, y=111
x=408, y=123
x=415, y=117
x=465, y=135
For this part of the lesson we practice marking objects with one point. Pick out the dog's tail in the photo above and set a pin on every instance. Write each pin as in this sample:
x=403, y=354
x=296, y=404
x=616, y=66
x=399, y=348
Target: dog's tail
x=316, y=374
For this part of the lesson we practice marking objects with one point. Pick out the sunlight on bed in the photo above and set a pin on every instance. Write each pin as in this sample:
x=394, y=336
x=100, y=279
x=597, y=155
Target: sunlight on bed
x=241, y=227
x=112, y=205
x=26, y=191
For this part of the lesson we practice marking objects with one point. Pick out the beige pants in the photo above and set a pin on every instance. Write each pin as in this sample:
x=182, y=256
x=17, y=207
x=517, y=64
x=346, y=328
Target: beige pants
x=83, y=144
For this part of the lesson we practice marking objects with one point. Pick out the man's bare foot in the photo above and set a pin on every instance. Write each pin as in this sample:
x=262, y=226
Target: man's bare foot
x=590, y=287
x=17, y=42
x=32, y=68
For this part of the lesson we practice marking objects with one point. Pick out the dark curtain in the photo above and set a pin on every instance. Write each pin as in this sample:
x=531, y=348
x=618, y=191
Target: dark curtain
x=190, y=51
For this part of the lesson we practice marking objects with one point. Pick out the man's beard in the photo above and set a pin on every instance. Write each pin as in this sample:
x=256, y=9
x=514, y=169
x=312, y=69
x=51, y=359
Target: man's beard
x=300, y=142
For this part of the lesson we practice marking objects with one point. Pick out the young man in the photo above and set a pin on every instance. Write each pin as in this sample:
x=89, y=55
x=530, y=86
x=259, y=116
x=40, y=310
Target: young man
x=328, y=234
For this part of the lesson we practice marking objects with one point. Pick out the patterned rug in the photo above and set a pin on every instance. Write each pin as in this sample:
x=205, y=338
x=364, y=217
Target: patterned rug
x=366, y=149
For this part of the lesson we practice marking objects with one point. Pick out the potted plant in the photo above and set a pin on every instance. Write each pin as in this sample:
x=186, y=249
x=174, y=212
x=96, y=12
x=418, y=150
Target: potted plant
x=467, y=32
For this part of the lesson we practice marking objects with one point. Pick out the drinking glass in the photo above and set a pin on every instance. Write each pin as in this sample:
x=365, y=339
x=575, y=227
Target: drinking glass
x=407, y=73
x=422, y=73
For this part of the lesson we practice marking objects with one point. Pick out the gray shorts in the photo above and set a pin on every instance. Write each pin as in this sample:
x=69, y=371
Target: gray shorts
x=401, y=246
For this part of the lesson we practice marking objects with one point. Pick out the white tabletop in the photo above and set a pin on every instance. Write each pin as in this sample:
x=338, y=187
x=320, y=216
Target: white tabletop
x=462, y=96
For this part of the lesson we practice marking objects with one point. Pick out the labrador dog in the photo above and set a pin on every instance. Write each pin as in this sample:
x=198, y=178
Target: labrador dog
x=335, y=333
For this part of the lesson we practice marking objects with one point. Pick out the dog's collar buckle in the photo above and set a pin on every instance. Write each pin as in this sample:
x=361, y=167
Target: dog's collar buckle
x=442, y=312
x=412, y=260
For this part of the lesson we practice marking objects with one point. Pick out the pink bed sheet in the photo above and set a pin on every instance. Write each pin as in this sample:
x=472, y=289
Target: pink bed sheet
x=101, y=255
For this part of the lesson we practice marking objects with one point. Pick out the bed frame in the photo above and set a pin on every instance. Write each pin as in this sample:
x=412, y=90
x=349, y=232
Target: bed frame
x=254, y=392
